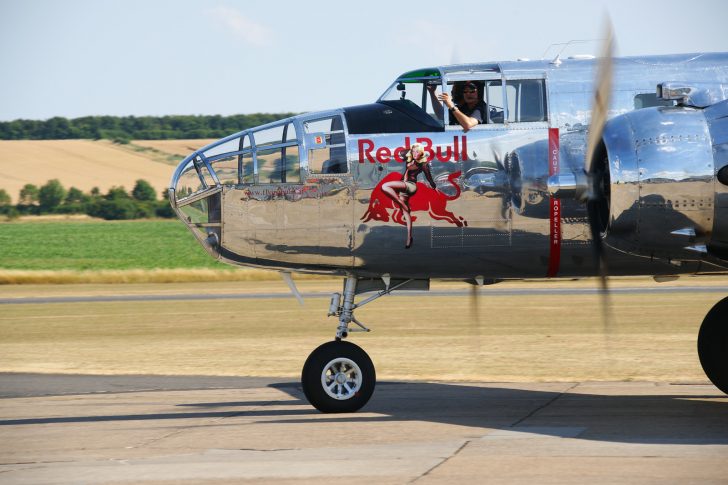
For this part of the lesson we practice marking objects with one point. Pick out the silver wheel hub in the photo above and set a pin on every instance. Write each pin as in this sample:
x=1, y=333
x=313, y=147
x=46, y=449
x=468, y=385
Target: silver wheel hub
x=341, y=378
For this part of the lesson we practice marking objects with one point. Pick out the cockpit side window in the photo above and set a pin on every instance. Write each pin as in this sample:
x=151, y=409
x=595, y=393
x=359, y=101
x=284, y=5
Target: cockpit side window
x=416, y=94
x=524, y=100
x=494, y=95
x=326, y=145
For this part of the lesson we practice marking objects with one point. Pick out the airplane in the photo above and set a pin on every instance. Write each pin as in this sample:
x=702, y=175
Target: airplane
x=577, y=166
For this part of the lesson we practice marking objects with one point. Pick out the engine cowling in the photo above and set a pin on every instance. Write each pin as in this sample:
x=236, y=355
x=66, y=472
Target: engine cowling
x=665, y=197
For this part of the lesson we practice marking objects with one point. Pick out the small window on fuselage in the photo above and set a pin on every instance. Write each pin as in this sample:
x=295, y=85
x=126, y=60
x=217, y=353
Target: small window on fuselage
x=328, y=152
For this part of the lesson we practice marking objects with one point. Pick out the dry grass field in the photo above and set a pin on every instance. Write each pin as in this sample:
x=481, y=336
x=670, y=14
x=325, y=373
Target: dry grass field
x=178, y=148
x=509, y=338
x=85, y=164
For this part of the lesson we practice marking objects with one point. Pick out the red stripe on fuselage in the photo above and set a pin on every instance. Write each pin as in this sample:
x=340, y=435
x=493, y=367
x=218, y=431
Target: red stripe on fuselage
x=555, y=207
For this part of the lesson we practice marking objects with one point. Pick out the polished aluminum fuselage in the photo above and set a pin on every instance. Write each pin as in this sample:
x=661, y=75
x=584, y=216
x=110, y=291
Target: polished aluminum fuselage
x=497, y=223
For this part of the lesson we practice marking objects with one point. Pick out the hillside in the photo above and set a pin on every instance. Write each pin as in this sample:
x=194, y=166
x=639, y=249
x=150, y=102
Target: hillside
x=85, y=164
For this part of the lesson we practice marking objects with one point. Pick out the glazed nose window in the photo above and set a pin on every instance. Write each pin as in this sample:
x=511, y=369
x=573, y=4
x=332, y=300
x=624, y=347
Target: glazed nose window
x=277, y=155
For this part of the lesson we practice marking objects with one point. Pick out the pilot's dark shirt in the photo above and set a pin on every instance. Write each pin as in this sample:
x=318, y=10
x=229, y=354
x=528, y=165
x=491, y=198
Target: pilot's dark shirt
x=478, y=112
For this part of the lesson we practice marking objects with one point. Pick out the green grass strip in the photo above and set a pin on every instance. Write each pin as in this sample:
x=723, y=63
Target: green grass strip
x=101, y=245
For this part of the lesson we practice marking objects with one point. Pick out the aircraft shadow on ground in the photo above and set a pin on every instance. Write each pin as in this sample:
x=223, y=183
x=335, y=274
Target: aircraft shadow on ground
x=665, y=419
x=668, y=419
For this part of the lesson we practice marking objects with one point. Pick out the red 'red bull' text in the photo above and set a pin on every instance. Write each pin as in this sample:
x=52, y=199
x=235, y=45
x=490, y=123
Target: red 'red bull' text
x=455, y=152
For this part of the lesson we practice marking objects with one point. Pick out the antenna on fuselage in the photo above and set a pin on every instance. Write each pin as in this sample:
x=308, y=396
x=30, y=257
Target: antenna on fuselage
x=286, y=275
x=557, y=59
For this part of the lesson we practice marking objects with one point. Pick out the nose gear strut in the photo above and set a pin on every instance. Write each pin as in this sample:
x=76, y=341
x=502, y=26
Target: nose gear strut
x=345, y=309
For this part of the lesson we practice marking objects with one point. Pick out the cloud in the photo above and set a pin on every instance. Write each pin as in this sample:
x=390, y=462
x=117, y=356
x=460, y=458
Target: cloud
x=242, y=27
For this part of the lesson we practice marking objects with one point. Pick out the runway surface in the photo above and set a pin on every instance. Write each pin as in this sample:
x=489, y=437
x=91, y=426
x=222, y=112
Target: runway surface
x=455, y=292
x=147, y=429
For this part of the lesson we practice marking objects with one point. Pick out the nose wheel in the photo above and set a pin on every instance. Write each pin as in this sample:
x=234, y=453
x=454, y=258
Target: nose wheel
x=338, y=377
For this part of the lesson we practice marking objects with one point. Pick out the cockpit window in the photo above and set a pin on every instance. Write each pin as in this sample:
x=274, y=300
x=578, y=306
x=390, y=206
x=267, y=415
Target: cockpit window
x=476, y=93
x=524, y=100
x=415, y=94
x=496, y=102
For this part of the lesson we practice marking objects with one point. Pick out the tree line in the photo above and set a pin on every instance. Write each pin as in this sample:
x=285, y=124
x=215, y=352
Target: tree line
x=126, y=128
x=117, y=203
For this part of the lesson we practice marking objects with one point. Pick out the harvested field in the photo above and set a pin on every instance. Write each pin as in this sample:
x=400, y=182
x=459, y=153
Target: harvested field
x=177, y=148
x=83, y=164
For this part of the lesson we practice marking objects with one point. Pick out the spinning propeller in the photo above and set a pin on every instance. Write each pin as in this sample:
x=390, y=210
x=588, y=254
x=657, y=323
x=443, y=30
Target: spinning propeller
x=596, y=164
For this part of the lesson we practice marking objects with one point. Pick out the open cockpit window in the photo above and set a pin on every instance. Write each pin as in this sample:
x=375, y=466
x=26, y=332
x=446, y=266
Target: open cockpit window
x=469, y=97
x=522, y=100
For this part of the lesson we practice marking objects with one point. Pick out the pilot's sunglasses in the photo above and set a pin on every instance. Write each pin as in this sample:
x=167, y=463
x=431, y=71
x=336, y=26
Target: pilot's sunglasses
x=469, y=90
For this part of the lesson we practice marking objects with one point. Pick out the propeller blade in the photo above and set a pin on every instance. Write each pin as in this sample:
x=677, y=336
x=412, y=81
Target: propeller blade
x=602, y=95
x=599, y=260
x=597, y=190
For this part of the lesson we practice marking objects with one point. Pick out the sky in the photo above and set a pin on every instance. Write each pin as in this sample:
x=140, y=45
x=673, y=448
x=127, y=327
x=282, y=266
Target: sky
x=76, y=58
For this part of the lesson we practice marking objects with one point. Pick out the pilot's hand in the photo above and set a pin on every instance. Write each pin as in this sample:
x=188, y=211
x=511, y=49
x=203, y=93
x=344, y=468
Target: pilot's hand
x=446, y=99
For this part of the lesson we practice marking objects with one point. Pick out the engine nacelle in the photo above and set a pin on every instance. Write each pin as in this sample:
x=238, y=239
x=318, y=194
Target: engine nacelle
x=664, y=197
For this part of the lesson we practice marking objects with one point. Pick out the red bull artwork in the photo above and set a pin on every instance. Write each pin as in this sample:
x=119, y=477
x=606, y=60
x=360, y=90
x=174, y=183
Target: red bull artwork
x=402, y=194
x=457, y=151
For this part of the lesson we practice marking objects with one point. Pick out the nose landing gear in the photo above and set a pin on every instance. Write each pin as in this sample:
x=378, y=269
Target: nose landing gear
x=338, y=376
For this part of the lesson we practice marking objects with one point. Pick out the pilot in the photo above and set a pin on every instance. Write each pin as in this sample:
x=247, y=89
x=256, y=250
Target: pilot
x=401, y=190
x=471, y=111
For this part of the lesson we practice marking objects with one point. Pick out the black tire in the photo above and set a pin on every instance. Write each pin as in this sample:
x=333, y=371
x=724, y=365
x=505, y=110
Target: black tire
x=713, y=345
x=348, y=359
